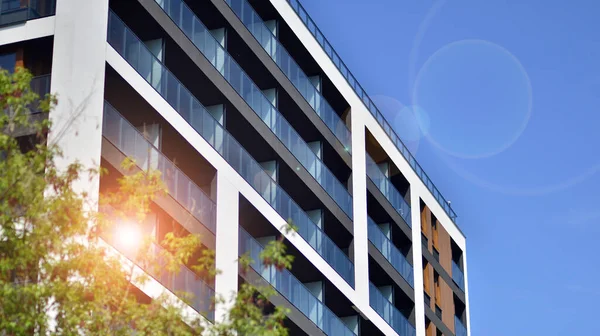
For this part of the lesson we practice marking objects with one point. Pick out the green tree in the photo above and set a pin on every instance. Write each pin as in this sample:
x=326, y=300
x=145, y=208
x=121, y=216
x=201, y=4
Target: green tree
x=57, y=273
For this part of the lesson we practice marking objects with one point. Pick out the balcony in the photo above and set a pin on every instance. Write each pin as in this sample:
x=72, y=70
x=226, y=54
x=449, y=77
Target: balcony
x=388, y=190
x=362, y=94
x=458, y=276
x=184, y=281
x=192, y=111
x=291, y=69
x=389, y=313
x=459, y=328
x=292, y=289
x=202, y=38
x=390, y=252
x=17, y=11
x=127, y=139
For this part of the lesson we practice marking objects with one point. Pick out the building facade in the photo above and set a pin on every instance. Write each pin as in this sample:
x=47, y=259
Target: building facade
x=254, y=121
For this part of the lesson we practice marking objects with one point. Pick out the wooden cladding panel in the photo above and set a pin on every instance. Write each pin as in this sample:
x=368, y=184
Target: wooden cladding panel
x=447, y=304
x=426, y=225
x=444, y=247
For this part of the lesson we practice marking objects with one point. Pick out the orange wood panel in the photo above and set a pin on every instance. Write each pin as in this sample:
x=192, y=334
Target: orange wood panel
x=426, y=225
x=447, y=305
x=445, y=248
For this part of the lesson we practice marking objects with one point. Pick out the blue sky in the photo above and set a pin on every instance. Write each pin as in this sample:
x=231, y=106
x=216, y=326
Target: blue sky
x=499, y=100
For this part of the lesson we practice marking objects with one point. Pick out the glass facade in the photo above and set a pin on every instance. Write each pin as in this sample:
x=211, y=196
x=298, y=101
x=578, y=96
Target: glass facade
x=291, y=69
x=202, y=38
x=191, y=110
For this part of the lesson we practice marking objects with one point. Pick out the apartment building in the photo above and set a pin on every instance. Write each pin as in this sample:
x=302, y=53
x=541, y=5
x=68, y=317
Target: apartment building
x=253, y=119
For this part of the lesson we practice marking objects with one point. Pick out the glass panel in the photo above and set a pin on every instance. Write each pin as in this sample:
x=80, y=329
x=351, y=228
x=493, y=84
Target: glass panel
x=389, y=313
x=185, y=280
x=251, y=93
x=458, y=276
x=390, y=252
x=132, y=143
x=292, y=289
x=253, y=173
x=388, y=190
x=459, y=327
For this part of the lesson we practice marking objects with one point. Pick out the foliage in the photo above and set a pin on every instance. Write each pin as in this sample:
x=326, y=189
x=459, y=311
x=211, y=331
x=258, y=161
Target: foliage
x=57, y=273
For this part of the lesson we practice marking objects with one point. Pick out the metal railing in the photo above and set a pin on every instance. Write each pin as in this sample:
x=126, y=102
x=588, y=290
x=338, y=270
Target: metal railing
x=389, y=313
x=134, y=51
x=131, y=142
x=292, y=70
x=292, y=289
x=390, y=251
x=362, y=94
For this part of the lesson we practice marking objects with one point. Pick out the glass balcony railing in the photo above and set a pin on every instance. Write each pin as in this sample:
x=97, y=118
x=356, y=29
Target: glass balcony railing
x=458, y=276
x=293, y=290
x=388, y=190
x=390, y=252
x=459, y=327
x=362, y=94
x=291, y=69
x=132, y=143
x=183, y=102
x=184, y=281
x=195, y=30
x=16, y=11
x=389, y=313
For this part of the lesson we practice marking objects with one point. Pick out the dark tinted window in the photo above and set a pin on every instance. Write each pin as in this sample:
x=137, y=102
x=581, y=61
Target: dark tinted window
x=8, y=61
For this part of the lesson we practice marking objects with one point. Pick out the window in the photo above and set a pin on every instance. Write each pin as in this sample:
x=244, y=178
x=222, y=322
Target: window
x=436, y=285
x=436, y=254
x=438, y=311
x=8, y=61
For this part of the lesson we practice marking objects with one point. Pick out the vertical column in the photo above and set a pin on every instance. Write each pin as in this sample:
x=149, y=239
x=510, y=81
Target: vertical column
x=78, y=79
x=466, y=282
x=227, y=238
x=417, y=248
x=359, y=199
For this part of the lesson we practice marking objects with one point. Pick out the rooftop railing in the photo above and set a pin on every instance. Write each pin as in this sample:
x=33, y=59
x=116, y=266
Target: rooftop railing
x=390, y=252
x=368, y=102
x=134, y=51
x=388, y=190
x=202, y=38
x=291, y=69
x=292, y=289
x=131, y=142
